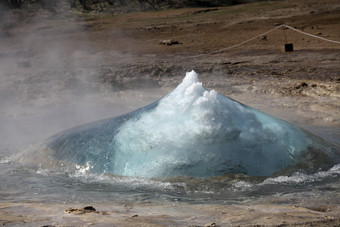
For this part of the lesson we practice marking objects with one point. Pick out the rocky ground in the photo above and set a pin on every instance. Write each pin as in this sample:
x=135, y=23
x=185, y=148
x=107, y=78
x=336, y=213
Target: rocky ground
x=92, y=60
x=176, y=214
x=46, y=56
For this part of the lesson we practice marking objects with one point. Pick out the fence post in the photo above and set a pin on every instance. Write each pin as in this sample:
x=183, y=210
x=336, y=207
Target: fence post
x=288, y=46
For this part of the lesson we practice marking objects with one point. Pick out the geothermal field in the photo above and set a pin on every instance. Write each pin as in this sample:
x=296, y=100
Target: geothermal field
x=184, y=116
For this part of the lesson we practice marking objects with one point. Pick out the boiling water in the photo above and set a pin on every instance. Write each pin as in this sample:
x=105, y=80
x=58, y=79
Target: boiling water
x=33, y=183
x=79, y=180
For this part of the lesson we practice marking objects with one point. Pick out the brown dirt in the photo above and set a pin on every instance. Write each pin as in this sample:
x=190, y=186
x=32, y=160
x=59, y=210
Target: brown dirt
x=124, y=53
x=176, y=214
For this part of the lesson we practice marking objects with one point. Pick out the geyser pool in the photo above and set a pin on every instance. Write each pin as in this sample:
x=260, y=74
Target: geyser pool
x=196, y=132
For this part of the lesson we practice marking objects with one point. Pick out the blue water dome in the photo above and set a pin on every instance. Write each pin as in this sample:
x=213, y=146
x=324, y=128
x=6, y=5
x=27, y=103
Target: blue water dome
x=195, y=132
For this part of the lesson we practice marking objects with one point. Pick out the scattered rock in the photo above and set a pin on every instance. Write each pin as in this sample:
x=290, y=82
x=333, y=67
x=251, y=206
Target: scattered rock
x=211, y=225
x=321, y=208
x=89, y=208
x=84, y=210
x=300, y=85
x=168, y=42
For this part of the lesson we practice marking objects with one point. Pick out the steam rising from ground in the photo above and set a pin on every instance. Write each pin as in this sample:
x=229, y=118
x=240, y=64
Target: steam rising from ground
x=49, y=77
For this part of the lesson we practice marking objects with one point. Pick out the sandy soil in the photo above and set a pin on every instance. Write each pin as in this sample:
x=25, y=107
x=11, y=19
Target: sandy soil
x=176, y=214
x=48, y=60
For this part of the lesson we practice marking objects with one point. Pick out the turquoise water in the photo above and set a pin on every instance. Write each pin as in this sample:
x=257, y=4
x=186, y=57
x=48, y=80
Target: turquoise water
x=21, y=182
x=192, y=132
x=73, y=182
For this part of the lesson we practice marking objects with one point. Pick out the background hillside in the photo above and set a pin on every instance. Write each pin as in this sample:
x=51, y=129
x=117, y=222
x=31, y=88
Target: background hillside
x=70, y=56
x=116, y=6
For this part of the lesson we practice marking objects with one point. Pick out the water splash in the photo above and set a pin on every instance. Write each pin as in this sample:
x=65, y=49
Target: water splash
x=193, y=131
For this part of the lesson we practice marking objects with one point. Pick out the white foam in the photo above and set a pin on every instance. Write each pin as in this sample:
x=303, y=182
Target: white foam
x=5, y=160
x=301, y=177
x=194, y=131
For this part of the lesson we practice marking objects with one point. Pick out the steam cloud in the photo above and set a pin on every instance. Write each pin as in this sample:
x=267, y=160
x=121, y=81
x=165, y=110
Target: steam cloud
x=48, y=73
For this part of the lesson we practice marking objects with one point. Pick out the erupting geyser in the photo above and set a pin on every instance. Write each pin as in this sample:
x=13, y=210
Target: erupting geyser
x=192, y=132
